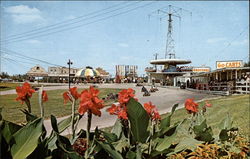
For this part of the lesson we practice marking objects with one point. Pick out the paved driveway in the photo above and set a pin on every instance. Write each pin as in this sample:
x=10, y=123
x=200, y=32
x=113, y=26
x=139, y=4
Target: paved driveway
x=163, y=99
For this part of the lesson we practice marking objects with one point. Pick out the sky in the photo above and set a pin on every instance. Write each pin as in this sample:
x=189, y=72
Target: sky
x=108, y=33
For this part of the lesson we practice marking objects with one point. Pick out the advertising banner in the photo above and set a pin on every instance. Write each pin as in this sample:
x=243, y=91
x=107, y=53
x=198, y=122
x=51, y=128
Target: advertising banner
x=201, y=69
x=228, y=64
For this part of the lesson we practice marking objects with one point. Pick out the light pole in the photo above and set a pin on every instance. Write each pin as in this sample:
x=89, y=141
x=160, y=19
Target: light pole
x=69, y=63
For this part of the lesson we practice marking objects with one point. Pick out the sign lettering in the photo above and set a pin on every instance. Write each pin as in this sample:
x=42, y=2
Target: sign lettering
x=228, y=64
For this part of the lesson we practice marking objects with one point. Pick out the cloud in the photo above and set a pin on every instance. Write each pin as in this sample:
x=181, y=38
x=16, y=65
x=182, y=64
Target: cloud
x=123, y=45
x=33, y=41
x=22, y=9
x=23, y=14
x=215, y=40
x=243, y=42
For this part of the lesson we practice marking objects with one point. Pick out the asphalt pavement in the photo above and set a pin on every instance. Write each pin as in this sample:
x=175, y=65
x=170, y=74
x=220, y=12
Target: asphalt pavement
x=164, y=99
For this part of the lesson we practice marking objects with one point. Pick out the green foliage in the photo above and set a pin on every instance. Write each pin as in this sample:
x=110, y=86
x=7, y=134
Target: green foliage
x=166, y=121
x=110, y=150
x=8, y=129
x=165, y=143
x=26, y=139
x=117, y=128
x=187, y=143
x=203, y=132
x=226, y=127
x=139, y=120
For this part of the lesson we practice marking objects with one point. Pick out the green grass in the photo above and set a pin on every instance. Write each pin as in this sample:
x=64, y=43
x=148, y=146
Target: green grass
x=8, y=86
x=11, y=107
x=237, y=106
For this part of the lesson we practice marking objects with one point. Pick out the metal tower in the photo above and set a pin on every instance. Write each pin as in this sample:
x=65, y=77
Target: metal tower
x=170, y=51
x=172, y=11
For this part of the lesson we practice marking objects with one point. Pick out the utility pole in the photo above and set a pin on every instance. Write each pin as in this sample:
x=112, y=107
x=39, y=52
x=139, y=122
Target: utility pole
x=69, y=63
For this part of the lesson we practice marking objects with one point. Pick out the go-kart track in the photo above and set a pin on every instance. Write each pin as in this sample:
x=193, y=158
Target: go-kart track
x=164, y=98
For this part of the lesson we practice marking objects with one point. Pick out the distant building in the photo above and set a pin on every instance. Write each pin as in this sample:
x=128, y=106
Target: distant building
x=61, y=71
x=124, y=71
x=37, y=71
x=103, y=73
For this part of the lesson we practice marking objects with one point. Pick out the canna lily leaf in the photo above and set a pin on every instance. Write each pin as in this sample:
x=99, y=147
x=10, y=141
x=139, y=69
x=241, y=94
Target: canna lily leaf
x=117, y=128
x=166, y=121
x=187, y=143
x=165, y=143
x=109, y=136
x=9, y=129
x=112, y=152
x=203, y=132
x=26, y=139
x=54, y=123
x=139, y=120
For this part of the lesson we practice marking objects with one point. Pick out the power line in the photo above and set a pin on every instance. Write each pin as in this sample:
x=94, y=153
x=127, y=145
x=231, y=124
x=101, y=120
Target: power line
x=67, y=21
x=63, y=24
x=10, y=52
x=98, y=20
x=228, y=45
x=19, y=61
x=14, y=62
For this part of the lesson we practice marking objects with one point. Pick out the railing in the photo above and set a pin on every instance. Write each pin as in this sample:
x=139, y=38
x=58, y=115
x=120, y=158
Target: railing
x=242, y=87
x=223, y=93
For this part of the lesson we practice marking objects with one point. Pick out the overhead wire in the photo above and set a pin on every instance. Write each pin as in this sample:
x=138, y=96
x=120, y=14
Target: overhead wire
x=67, y=21
x=77, y=26
x=74, y=27
x=19, y=61
x=228, y=45
x=14, y=62
x=63, y=24
x=14, y=53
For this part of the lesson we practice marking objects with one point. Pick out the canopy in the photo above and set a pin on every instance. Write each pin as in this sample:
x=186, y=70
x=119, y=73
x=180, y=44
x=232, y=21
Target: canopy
x=87, y=72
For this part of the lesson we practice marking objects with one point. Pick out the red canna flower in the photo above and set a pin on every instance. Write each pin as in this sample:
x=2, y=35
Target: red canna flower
x=89, y=101
x=191, y=106
x=152, y=111
x=73, y=92
x=44, y=96
x=125, y=95
x=120, y=110
x=149, y=107
x=113, y=109
x=24, y=92
x=122, y=114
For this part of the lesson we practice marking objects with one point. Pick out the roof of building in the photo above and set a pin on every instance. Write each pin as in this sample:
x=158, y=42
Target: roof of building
x=37, y=71
x=168, y=73
x=170, y=61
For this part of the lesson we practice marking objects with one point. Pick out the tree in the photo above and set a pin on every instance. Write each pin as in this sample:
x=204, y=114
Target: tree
x=4, y=75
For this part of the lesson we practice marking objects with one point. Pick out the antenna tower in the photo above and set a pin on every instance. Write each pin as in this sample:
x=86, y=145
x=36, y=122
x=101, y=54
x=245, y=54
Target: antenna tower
x=171, y=12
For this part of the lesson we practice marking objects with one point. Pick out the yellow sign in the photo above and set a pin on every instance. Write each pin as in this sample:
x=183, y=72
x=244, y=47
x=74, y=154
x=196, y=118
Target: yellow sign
x=228, y=64
x=201, y=69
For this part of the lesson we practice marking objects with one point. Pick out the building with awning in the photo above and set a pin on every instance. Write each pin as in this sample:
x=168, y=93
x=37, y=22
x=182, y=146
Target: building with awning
x=170, y=70
x=229, y=76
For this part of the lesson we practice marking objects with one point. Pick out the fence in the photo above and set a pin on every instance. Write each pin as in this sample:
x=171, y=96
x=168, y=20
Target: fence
x=242, y=87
